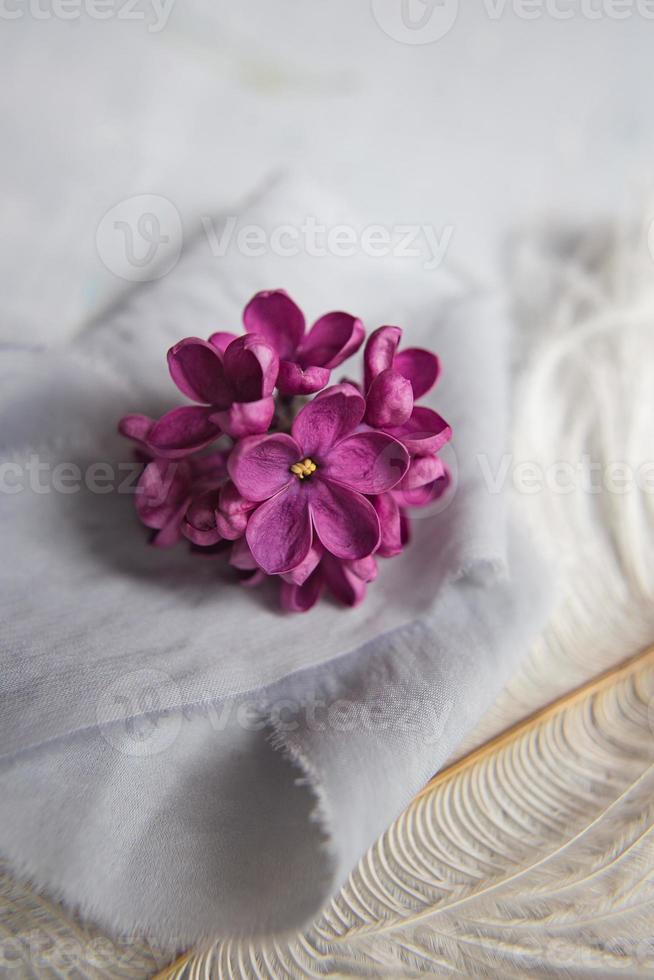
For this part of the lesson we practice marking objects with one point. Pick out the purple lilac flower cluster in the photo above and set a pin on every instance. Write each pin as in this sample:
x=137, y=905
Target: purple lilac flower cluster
x=311, y=491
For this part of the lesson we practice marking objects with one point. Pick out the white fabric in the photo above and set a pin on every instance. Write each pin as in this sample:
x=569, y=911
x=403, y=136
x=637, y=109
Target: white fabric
x=132, y=784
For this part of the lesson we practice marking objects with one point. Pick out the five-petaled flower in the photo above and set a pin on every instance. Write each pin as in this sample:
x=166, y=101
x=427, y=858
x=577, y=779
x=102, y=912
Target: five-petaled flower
x=305, y=359
x=330, y=500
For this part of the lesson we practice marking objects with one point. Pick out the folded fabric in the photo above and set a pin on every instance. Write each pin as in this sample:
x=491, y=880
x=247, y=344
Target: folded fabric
x=178, y=756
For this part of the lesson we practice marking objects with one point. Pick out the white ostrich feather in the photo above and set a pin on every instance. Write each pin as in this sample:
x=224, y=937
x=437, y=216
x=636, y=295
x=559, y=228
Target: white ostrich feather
x=584, y=302
x=535, y=858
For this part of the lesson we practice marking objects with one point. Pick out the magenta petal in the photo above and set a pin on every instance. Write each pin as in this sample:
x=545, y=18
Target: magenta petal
x=260, y=466
x=183, y=430
x=279, y=530
x=221, y=340
x=171, y=533
x=379, y=352
x=299, y=574
x=388, y=512
x=209, y=470
x=197, y=369
x=301, y=598
x=200, y=523
x=294, y=380
x=241, y=557
x=422, y=470
x=390, y=400
x=246, y=418
x=330, y=417
x=370, y=462
x=231, y=501
x=136, y=427
x=424, y=495
x=251, y=366
x=425, y=432
x=332, y=339
x=233, y=512
x=342, y=582
x=421, y=367
x=163, y=487
x=345, y=521
x=252, y=579
x=231, y=526
x=275, y=317
x=364, y=568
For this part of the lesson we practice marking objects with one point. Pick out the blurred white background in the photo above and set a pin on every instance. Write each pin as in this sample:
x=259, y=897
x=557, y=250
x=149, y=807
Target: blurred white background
x=517, y=110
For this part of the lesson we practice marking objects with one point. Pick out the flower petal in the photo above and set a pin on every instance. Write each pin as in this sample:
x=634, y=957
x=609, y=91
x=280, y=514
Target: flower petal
x=231, y=526
x=196, y=367
x=342, y=581
x=301, y=598
x=294, y=380
x=221, y=340
x=331, y=416
x=251, y=366
x=246, y=418
x=299, y=574
x=260, y=465
x=370, y=462
x=422, y=470
x=170, y=533
x=421, y=367
x=209, y=470
x=136, y=427
x=379, y=352
x=332, y=339
x=426, y=494
x=425, y=432
x=390, y=400
x=163, y=487
x=231, y=501
x=388, y=512
x=200, y=522
x=241, y=557
x=182, y=431
x=345, y=521
x=233, y=512
x=275, y=317
x=364, y=568
x=279, y=531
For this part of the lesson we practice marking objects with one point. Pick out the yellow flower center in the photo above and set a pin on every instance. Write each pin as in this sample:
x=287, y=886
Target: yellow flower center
x=304, y=468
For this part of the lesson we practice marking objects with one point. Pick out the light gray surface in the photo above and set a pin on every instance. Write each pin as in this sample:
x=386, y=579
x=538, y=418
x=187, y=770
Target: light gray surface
x=499, y=119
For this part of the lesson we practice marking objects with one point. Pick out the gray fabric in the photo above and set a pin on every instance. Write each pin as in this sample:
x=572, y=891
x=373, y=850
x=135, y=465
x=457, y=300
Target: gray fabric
x=179, y=756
